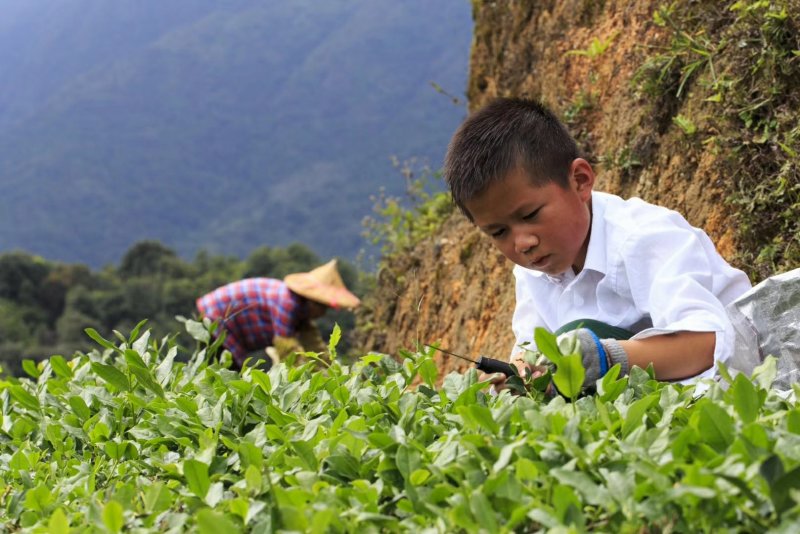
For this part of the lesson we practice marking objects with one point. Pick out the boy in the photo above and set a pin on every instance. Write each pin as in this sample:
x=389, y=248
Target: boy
x=254, y=311
x=625, y=268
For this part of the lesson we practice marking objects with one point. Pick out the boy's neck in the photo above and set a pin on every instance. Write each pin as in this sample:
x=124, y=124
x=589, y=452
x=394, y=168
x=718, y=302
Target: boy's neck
x=578, y=267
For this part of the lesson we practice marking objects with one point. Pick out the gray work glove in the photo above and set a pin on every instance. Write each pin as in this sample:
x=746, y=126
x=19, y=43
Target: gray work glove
x=598, y=355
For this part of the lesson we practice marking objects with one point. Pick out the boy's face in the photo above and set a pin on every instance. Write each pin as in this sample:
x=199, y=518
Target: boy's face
x=544, y=228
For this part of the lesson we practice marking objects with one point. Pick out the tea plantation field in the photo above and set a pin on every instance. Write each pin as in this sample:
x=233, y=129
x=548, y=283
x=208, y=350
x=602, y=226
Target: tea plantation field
x=128, y=438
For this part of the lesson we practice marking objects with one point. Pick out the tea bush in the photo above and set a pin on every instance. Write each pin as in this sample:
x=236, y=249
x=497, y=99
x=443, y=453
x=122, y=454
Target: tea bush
x=127, y=438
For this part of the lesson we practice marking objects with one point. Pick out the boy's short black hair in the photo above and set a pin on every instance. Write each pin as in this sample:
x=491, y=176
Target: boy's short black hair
x=507, y=134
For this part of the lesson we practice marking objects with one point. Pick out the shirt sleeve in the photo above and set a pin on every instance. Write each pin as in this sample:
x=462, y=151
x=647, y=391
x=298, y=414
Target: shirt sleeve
x=674, y=274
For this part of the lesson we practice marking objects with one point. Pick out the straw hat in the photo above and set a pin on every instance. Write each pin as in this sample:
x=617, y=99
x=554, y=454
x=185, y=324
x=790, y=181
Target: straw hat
x=324, y=285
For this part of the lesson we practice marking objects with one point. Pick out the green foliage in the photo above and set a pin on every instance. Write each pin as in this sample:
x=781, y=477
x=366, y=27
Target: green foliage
x=151, y=258
x=158, y=444
x=584, y=101
x=401, y=223
x=741, y=59
x=595, y=49
x=685, y=124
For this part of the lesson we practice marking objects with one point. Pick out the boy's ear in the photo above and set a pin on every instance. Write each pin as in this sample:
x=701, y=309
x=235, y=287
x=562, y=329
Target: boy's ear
x=582, y=178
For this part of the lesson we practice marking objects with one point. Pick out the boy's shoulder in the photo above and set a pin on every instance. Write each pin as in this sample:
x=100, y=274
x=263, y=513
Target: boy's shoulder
x=634, y=207
x=627, y=218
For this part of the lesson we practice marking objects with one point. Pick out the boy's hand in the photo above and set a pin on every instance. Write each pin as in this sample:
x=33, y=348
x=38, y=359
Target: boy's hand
x=525, y=370
x=597, y=355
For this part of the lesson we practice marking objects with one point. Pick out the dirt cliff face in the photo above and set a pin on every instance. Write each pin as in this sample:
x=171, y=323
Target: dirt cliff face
x=547, y=52
x=586, y=60
x=455, y=289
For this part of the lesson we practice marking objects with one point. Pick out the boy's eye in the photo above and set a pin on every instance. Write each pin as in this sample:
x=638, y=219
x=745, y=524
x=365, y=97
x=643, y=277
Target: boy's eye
x=497, y=233
x=531, y=215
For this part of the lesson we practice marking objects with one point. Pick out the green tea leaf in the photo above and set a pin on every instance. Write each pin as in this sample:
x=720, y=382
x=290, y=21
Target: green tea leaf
x=79, y=407
x=333, y=341
x=262, y=379
x=342, y=394
x=133, y=359
x=196, y=474
x=419, y=476
x=24, y=398
x=569, y=375
x=715, y=426
x=772, y=469
x=567, y=505
x=540, y=383
x=115, y=450
x=342, y=466
x=746, y=399
x=253, y=479
x=505, y=455
x=214, y=494
x=60, y=367
x=250, y=455
x=38, y=499
x=112, y=516
x=793, y=421
x=764, y=374
x=479, y=416
x=407, y=460
x=240, y=507
x=135, y=332
x=29, y=366
x=197, y=330
x=611, y=387
x=146, y=379
x=724, y=372
x=58, y=522
x=19, y=461
x=581, y=482
x=55, y=434
x=636, y=413
x=428, y=372
x=483, y=511
x=100, y=340
x=547, y=344
x=371, y=358
x=781, y=490
x=164, y=369
x=305, y=451
x=156, y=498
x=210, y=522
x=100, y=432
x=526, y=469
x=112, y=375
x=381, y=440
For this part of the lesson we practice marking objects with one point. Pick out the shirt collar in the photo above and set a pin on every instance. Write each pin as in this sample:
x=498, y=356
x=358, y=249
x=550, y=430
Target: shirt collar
x=596, y=253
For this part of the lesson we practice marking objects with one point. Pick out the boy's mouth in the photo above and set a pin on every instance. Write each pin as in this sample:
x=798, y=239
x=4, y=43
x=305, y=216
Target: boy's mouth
x=540, y=262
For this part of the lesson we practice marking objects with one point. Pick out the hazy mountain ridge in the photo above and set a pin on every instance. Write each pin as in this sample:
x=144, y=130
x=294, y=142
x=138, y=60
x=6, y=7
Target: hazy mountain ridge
x=214, y=133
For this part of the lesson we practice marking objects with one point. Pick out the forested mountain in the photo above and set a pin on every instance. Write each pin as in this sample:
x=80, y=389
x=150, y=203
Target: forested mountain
x=216, y=124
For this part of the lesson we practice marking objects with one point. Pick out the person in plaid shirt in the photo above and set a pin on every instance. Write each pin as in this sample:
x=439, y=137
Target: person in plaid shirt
x=253, y=311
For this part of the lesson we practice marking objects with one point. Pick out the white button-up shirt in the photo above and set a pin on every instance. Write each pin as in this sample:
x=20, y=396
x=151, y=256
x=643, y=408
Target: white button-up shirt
x=647, y=270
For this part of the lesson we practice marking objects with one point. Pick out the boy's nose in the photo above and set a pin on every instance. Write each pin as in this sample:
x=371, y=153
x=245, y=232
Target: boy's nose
x=524, y=242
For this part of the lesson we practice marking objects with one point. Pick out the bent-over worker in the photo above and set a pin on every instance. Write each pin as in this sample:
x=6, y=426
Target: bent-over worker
x=254, y=311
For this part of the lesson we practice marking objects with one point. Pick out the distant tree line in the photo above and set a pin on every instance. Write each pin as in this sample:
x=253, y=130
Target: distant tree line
x=45, y=306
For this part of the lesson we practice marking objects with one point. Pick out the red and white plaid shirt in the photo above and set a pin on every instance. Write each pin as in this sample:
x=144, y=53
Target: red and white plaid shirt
x=252, y=312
